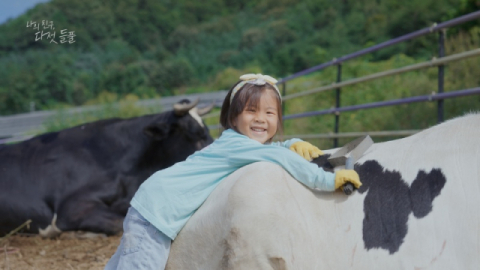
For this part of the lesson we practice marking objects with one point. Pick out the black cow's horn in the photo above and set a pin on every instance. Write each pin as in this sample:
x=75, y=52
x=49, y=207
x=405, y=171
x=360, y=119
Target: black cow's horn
x=205, y=110
x=182, y=108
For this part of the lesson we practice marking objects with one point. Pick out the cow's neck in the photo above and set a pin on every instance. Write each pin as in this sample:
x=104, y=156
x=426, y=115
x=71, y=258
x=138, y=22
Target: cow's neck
x=129, y=138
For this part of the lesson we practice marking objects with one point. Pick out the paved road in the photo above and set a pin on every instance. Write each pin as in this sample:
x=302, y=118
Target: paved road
x=17, y=127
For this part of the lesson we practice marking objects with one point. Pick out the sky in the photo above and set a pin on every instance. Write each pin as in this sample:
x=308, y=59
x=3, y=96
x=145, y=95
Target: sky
x=14, y=8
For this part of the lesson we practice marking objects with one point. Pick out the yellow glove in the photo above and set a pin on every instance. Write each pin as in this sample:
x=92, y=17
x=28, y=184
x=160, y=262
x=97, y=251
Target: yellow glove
x=344, y=176
x=306, y=150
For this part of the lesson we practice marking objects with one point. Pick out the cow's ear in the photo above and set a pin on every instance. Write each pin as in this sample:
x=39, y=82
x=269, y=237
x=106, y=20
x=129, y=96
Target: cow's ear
x=157, y=131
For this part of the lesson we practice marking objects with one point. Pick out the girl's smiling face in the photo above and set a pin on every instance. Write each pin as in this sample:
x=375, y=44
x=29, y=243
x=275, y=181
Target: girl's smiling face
x=259, y=124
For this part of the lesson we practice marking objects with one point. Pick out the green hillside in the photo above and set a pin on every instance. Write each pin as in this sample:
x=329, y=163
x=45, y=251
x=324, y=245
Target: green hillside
x=151, y=48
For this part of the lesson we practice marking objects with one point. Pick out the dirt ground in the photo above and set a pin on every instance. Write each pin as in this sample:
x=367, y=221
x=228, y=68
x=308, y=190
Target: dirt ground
x=69, y=251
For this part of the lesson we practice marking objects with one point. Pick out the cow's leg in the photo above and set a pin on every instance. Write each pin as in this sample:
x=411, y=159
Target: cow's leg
x=98, y=208
x=15, y=212
x=89, y=215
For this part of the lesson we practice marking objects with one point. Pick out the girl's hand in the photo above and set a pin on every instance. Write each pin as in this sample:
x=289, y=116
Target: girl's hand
x=306, y=150
x=345, y=176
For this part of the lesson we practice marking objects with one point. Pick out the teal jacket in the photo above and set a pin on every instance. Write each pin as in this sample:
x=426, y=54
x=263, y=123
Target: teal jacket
x=169, y=197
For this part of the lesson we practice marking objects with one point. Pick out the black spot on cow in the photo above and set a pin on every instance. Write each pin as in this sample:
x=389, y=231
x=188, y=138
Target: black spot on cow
x=424, y=189
x=389, y=201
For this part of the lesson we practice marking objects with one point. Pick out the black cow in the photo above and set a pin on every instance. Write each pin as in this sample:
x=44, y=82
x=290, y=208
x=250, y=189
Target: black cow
x=87, y=175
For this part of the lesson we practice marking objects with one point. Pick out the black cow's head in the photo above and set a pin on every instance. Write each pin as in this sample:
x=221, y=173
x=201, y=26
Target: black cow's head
x=179, y=133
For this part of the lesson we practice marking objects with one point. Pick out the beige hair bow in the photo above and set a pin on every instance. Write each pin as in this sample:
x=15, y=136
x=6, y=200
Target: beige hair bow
x=256, y=79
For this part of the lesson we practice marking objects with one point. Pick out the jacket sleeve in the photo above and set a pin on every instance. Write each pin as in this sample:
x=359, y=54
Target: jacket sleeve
x=286, y=143
x=305, y=172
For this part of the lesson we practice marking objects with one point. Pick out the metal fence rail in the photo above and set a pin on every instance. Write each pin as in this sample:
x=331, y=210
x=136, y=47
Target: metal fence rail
x=440, y=28
x=332, y=135
x=432, y=97
x=432, y=63
x=336, y=61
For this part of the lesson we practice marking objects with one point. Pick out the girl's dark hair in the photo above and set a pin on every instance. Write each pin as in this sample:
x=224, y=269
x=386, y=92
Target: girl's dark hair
x=247, y=96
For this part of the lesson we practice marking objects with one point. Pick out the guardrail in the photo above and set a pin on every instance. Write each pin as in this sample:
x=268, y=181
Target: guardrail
x=19, y=127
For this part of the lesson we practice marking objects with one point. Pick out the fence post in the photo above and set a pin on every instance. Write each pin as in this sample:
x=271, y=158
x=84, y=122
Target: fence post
x=337, y=104
x=284, y=92
x=441, y=73
x=32, y=106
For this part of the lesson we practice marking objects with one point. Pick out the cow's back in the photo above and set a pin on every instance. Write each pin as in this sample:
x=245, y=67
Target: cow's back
x=418, y=209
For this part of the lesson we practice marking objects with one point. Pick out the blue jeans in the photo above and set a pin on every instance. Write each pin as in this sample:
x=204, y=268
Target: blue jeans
x=142, y=246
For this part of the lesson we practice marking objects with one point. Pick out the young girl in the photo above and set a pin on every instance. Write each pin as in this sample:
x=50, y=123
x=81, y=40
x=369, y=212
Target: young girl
x=251, y=115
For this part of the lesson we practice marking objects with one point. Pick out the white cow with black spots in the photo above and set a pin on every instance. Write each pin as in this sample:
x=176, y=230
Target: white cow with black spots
x=418, y=208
